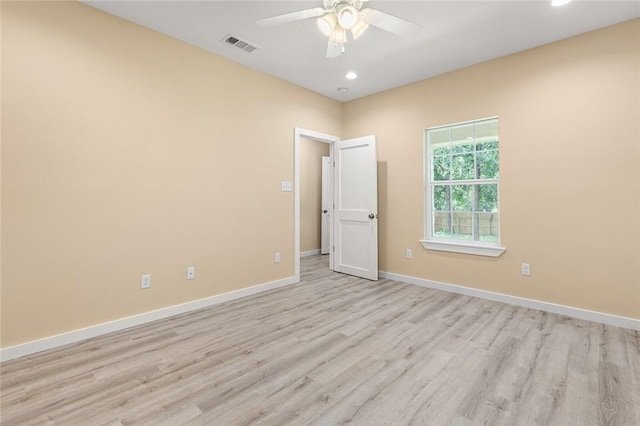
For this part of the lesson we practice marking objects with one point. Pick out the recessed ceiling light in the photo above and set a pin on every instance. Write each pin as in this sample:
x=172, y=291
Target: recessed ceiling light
x=351, y=75
x=557, y=3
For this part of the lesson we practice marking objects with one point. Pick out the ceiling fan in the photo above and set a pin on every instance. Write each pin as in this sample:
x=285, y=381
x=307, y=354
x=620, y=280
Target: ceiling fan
x=337, y=17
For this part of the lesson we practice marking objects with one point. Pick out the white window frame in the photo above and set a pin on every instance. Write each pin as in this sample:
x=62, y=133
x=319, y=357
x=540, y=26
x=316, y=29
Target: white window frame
x=480, y=248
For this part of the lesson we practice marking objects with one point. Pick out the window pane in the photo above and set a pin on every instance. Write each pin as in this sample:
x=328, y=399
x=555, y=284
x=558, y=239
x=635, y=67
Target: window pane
x=442, y=224
x=441, y=168
x=441, y=197
x=462, y=133
x=463, y=167
x=488, y=227
x=440, y=149
x=487, y=164
x=487, y=129
x=462, y=226
x=461, y=197
x=451, y=235
x=482, y=146
x=462, y=148
x=487, y=198
x=454, y=225
x=439, y=136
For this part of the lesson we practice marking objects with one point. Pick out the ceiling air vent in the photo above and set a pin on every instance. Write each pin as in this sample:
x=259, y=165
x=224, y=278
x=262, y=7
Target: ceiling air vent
x=240, y=44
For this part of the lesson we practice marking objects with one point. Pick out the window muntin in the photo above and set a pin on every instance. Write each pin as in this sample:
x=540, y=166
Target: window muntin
x=462, y=164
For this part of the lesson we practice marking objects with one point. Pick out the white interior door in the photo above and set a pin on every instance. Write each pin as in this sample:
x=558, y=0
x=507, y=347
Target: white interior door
x=325, y=227
x=356, y=207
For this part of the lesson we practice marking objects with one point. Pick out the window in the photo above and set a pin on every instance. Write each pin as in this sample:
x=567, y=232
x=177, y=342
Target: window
x=461, y=186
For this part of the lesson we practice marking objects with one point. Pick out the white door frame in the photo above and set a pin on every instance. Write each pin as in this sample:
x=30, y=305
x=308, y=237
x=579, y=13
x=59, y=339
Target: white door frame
x=320, y=137
x=325, y=216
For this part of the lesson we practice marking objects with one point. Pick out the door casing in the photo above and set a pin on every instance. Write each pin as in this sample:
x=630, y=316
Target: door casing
x=327, y=211
x=299, y=134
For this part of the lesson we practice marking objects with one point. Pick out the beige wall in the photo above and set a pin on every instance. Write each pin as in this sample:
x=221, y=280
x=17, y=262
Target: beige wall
x=311, y=153
x=126, y=152
x=569, y=165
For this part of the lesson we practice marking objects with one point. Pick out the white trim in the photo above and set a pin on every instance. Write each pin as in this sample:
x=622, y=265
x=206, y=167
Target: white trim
x=460, y=123
x=300, y=133
x=310, y=253
x=466, y=248
x=127, y=322
x=609, y=319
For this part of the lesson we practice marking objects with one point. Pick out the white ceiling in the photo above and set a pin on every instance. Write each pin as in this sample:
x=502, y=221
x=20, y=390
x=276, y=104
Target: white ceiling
x=454, y=34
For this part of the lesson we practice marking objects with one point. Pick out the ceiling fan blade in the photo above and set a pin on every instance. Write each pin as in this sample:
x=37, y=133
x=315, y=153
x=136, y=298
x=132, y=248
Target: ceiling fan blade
x=291, y=17
x=389, y=22
x=334, y=49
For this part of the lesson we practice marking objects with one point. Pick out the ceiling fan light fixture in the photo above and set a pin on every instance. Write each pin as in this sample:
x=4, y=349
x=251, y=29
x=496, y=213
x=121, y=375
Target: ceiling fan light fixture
x=327, y=23
x=359, y=28
x=558, y=3
x=347, y=17
x=339, y=35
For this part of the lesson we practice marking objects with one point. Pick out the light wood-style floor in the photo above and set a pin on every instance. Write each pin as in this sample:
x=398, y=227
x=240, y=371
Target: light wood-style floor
x=336, y=349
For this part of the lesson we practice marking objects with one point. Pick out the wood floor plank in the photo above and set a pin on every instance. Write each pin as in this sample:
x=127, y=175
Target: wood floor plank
x=336, y=349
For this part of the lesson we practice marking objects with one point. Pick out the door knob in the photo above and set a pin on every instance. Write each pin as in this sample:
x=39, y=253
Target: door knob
x=325, y=211
x=371, y=216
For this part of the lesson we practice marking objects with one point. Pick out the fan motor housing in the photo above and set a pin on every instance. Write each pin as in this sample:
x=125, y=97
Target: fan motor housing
x=333, y=4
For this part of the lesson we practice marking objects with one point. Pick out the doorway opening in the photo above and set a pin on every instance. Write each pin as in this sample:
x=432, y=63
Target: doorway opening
x=304, y=136
x=315, y=209
x=353, y=221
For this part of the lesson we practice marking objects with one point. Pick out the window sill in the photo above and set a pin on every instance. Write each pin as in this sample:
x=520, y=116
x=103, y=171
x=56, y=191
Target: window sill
x=464, y=248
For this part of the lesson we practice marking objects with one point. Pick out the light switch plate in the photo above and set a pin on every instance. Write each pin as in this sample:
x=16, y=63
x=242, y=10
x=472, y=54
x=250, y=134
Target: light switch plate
x=286, y=186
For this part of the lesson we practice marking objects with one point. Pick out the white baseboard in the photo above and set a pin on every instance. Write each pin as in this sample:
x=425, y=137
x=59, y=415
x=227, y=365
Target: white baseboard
x=120, y=324
x=310, y=253
x=52, y=342
x=569, y=311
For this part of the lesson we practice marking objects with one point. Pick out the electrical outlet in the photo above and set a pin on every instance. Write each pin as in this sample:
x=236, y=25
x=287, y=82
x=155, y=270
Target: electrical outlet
x=277, y=258
x=409, y=254
x=526, y=269
x=191, y=272
x=146, y=281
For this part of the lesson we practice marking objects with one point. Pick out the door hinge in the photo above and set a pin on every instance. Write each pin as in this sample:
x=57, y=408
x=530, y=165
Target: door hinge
x=334, y=249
